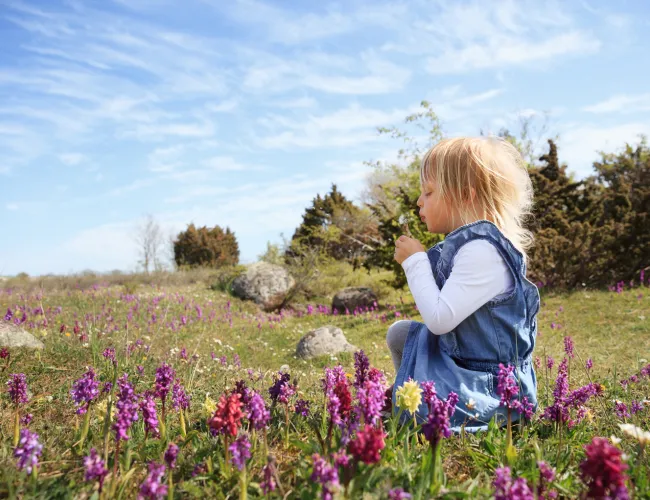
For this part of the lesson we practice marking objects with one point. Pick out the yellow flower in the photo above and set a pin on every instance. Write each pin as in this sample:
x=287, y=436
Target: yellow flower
x=209, y=406
x=409, y=396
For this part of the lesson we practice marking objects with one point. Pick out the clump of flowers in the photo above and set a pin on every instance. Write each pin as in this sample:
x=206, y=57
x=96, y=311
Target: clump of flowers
x=85, y=390
x=564, y=401
x=281, y=380
x=367, y=445
x=339, y=399
x=95, y=468
x=28, y=451
x=398, y=494
x=258, y=415
x=287, y=391
x=508, y=389
x=17, y=389
x=127, y=408
x=227, y=417
x=546, y=477
x=326, y=475
x=302, y=407
x=437, y=425
x=507, y=489
x=370, y=395
x=409, y=396
x=153, y=486
x=180, y=399
x=268, y=483
x=165, y=376
x=603, y=470
x=240, y=449
x=568, y=347
x=171, y=453
x=149, y=415
x=180, y=403
x=361, y=367
x=109, y=354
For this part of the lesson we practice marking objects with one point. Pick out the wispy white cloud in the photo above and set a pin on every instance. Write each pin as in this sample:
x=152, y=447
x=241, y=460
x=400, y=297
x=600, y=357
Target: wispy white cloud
x=508, y=51
x=287, y=27
x=579, y=144
x=621, y=103
x=72, y=159
x=225, y=106
x=459, y=37
x=228, y=164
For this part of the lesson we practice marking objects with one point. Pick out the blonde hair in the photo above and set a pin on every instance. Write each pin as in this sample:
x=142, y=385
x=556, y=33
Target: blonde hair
x=503, y=192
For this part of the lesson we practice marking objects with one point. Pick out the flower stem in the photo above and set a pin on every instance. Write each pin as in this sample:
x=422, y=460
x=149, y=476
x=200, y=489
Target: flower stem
x=107, y=426
x=116, y=458
x=16, y=428
x=286, y=420
x=436, y=466
x=170, y=490
x=243, y=488
x=226, y=465
x=266, y=445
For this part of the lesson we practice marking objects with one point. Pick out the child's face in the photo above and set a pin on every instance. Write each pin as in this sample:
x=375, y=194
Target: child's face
x=434, y=212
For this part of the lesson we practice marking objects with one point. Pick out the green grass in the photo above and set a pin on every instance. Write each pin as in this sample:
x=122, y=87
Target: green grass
x=611, y=329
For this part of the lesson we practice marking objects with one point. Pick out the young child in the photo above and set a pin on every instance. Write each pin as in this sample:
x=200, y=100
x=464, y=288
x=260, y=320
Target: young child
x=471, y=290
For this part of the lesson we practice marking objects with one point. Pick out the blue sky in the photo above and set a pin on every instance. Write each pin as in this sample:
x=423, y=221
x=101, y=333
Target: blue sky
x=237, y=113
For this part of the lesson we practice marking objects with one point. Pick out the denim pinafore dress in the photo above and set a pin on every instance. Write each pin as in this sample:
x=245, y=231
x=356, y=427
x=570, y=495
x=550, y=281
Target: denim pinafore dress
x=466, y=360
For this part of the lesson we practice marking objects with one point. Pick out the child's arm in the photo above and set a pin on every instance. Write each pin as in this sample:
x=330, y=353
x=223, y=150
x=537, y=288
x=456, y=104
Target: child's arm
x=478, y=275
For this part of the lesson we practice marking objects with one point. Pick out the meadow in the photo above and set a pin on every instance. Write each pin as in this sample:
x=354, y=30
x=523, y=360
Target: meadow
x=169, y=389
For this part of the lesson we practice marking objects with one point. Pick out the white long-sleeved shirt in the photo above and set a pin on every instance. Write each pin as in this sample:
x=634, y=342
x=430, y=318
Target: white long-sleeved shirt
x=478, y=275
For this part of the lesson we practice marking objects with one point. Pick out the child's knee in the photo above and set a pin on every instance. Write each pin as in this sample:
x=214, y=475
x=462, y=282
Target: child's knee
x=396, y=333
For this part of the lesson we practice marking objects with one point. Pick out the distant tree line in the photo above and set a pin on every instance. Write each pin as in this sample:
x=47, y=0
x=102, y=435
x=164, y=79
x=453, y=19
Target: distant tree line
x=590, y=232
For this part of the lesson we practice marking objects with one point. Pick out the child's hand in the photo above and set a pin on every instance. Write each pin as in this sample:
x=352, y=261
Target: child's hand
x=405, y=247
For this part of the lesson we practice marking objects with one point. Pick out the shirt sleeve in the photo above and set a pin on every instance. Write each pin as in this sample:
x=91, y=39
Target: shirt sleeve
x=478, y=275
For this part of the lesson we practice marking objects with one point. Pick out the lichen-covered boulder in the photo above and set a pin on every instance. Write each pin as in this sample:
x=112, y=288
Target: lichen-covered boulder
x=351, y=298
x=14, y=336
x=265, y=284
x=327, y=339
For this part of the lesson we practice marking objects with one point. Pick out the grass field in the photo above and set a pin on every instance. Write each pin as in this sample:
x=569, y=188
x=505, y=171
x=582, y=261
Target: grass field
x=154, y=324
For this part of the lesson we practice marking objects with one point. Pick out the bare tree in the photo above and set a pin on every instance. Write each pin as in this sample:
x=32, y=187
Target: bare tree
x=149, y=238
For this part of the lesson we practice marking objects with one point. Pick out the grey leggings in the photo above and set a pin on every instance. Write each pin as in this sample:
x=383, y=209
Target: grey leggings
x=396, y=338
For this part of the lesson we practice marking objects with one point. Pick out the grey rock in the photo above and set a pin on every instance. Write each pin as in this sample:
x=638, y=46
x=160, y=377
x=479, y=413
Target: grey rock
x=13, y=336
x=264, y=283
x=327, y=339
x=353, y=297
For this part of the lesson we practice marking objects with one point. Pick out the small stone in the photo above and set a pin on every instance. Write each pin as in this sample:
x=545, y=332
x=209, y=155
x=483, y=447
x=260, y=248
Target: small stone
x=326, y=340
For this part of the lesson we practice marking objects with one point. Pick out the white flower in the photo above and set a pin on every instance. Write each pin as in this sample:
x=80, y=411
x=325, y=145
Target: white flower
x=471, y=404
x=636, y=432
x=615, y=440
x=284, y=368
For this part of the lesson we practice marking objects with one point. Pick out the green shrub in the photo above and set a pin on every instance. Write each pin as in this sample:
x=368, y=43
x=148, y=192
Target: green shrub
x=224, y=277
